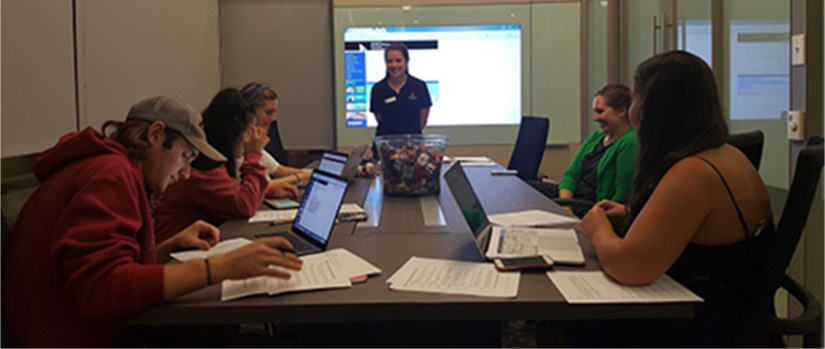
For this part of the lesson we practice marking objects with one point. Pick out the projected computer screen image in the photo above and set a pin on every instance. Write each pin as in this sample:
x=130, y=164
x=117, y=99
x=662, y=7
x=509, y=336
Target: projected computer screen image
x=473, y=73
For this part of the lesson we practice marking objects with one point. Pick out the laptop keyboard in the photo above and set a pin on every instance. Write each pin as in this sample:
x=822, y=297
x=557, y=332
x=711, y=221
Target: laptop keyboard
x=297, y=243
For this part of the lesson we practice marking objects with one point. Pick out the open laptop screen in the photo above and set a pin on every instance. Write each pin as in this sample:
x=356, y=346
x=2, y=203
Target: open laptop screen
x=467, y=202
x=333, y=163
x=319, y=209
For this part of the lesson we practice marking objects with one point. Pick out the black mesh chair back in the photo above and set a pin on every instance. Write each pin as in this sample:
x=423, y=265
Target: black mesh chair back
x=780, y=247
x=529, y=148
x=275, y=146
x=749, y=143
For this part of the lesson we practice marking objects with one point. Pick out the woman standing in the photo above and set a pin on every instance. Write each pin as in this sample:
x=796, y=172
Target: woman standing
x=400, y=102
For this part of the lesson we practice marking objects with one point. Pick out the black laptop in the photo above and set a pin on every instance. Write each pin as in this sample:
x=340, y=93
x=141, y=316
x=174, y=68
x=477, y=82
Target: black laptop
x=312, y=228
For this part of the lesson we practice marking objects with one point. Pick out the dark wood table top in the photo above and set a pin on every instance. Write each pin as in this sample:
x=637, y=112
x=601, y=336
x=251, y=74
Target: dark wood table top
x=399, y=234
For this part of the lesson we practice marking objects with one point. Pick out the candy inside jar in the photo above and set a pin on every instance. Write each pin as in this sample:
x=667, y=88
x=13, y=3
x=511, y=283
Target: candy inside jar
x=411, y=163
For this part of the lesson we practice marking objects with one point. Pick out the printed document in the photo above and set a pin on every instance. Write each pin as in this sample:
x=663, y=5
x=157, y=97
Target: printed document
x=352, y=212
x=562, y=245
x=454, y=277
x=475, y=161
x=274, y=216
x=466, y=159
x=330, y=269
x=596, y=287
x=531, y=218
x=220, y=248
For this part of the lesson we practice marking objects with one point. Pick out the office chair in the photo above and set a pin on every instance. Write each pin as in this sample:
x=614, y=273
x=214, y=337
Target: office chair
x=764, y=327
x=749, y=143
x=529, y=148
x=275, y=146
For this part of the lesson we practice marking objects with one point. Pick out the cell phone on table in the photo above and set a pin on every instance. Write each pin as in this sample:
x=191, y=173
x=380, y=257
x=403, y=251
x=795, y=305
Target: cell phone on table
x=519, y=263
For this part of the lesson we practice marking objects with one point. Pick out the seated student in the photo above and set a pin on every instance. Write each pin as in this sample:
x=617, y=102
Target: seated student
x=603, y=167
x=83, y=254
x=696, y=208
x=216, y=192
x=264, y=102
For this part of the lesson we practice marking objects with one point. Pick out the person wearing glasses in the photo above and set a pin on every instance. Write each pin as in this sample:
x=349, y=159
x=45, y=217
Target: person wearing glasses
x=264, y=102
x=216, y=192
x=400, y=102
x=83, y=258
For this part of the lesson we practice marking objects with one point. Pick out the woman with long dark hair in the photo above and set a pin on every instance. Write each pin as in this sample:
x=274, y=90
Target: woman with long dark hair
x=217, y=192
x=695, y=209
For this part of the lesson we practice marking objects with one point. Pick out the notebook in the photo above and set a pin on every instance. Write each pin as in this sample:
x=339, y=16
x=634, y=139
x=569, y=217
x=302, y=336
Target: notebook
x=312, y=228
x=561, y=245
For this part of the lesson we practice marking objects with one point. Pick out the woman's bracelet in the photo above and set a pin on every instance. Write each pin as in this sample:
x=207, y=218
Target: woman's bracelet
x=208, y=272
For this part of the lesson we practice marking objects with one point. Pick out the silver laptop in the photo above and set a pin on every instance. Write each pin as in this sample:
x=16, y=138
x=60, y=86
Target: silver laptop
x=312, y=228
x=561, y=245
x=342, y=164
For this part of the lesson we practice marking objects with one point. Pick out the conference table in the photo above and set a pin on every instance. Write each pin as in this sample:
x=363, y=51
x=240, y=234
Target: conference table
x=398, y=228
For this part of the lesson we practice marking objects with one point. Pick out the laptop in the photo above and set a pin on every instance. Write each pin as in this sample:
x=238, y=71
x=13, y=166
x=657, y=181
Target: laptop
x=342, y=164
x=561, y=245
x=312, y=228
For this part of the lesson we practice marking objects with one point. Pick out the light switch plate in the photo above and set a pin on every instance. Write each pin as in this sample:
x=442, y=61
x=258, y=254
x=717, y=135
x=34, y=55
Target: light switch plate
x=796, y=125
x=798, y=49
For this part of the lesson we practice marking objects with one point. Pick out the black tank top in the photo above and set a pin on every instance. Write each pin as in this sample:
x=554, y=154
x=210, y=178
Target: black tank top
x=723, y=276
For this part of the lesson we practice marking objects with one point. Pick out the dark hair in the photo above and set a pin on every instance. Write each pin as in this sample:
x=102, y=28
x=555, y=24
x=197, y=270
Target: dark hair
x=133, y=135
x=397, y=46
x=616, y=96
x=256, y=94
x=679, y=115
x=224, y=121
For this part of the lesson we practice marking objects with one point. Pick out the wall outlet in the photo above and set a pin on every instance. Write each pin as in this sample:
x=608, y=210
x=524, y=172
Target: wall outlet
x=798, y=49
x=796, y=125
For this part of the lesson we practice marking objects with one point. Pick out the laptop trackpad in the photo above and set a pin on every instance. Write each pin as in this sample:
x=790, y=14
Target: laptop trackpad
x=300, y=245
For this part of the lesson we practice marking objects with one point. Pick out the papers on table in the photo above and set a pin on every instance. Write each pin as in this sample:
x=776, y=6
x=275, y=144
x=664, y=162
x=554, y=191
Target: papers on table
x=325, y=270
x=348, y=212
x=274, y=216
x=596, y=287
x=561, y=245
x=222, y=247
x=454, y=277
x=531, y=218
x=352, y=212
x=478, y=161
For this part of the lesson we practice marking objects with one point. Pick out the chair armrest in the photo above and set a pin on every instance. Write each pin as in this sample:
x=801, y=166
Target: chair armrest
x=810, y=321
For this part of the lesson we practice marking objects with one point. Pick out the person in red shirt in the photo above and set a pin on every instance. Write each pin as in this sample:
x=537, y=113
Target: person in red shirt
x=83, y=256
x=216, y=192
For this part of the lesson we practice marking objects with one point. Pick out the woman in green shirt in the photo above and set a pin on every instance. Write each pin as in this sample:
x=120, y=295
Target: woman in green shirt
x=604, y=166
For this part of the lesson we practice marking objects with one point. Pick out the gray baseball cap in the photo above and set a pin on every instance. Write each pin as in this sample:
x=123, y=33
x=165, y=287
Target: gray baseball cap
x=179, y=116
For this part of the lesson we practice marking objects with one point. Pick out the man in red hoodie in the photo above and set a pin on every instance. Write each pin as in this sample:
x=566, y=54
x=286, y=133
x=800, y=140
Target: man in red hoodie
x=83, y=255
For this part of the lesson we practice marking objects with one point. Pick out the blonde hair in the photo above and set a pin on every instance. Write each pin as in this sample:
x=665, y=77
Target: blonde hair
x=256, y=94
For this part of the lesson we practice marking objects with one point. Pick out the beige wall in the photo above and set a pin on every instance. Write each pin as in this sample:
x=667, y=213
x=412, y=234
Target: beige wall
x=38, y=99
x=129, y=50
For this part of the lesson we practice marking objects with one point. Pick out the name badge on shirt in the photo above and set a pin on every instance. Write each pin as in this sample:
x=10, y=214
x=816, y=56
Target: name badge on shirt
x=389, y=100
